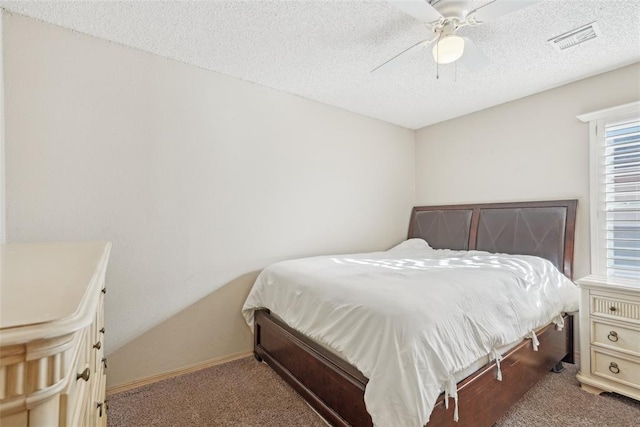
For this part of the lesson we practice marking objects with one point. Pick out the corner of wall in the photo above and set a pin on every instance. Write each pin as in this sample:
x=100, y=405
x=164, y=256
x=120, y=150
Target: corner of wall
x=210, y=330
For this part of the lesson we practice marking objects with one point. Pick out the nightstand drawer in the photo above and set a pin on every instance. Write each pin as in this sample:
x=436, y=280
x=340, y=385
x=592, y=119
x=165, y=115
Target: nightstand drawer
x=616, y=337
x=615, y=368
x=608, y=305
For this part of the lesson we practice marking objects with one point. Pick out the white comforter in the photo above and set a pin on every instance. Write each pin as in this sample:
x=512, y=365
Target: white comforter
x=411, y=317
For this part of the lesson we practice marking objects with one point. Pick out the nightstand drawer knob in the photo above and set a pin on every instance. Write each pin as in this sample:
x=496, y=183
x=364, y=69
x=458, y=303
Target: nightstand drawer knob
x=613, y=367
x=612, y=308
x=613, y=336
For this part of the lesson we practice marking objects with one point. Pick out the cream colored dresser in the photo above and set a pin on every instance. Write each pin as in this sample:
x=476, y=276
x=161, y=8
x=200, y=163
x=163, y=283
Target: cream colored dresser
x=610, y=336
x=51, y=334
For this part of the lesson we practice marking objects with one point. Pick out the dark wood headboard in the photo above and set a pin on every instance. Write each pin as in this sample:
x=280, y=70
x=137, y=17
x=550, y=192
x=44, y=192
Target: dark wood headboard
x=544, y=229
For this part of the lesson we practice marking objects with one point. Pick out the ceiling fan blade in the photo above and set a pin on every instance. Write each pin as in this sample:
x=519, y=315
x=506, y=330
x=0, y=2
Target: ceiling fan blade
x=473, y=59
x=497, y=8
x=419, y=9
x=412, y=47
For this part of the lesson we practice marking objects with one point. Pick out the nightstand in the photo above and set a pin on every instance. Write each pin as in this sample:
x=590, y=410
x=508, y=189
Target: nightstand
x=609, y=336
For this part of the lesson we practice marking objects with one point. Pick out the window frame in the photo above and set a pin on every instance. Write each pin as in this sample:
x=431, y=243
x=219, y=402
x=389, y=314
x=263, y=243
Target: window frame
x=597, y=121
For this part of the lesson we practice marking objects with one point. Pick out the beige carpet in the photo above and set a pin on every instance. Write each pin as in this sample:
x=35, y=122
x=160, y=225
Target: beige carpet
x=247, y=393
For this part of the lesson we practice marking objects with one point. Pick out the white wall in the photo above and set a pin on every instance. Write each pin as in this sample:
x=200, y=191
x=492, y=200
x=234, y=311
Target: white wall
x=2, y=167
x=197, y=178
x=533, y=148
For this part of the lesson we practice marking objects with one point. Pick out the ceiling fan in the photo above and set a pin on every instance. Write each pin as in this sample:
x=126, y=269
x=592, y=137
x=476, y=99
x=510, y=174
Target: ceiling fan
x=444, y=18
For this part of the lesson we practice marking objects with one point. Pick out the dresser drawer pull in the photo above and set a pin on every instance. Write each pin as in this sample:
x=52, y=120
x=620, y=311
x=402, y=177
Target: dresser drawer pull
x=99, y=406
x=97, y=345
x=612, y=308
x=613, y=336
x=613, y=367
x=84, y=375
x=101, y=330
x=104, y=290
x=104, y=362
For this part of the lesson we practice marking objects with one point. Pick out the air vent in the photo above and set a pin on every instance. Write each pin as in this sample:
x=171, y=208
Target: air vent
x=575, y=37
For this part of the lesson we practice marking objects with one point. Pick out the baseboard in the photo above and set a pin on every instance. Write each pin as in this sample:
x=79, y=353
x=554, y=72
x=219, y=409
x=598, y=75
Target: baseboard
x=177, y=372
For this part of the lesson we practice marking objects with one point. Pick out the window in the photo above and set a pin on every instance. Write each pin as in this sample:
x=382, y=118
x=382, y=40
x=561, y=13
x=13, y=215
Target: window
x=615, y=191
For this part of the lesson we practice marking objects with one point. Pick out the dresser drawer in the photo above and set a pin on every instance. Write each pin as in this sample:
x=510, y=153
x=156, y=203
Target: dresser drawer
x=73, y=399
x=99, y=403
x=97, y=343
x=616, y=337
x=611, y=306
x=618, y=369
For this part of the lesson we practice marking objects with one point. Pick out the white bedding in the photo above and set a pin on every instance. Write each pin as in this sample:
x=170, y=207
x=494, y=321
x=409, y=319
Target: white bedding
x=459, y=376
x=412, y=317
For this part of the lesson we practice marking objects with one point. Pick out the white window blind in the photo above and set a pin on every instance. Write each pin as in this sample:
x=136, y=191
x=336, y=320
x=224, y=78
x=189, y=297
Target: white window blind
x=620, y=215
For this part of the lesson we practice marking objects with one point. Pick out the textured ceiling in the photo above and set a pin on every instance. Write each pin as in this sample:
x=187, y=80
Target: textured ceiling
x=324, y=50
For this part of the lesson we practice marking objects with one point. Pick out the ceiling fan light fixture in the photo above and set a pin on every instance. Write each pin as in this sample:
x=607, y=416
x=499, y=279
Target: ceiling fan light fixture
x=448, y=49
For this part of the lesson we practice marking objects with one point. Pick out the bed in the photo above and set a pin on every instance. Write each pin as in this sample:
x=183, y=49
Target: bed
x=336, y=389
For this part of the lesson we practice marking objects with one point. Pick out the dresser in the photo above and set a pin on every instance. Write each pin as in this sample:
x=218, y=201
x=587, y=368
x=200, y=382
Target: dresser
x=52, y=364
x=610, y=336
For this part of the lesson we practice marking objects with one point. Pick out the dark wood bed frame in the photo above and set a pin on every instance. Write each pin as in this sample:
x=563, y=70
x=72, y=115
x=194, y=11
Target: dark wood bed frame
x=335, y=389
